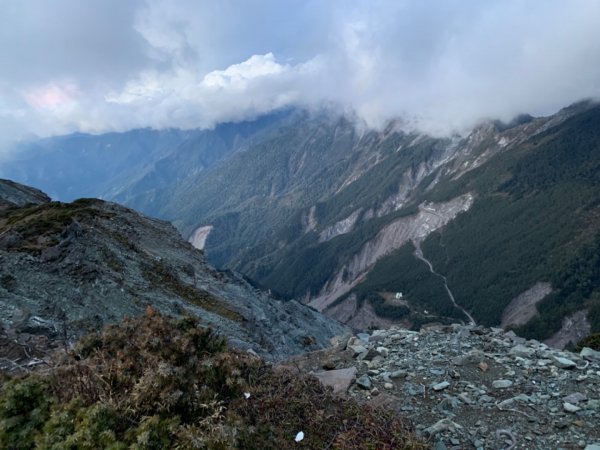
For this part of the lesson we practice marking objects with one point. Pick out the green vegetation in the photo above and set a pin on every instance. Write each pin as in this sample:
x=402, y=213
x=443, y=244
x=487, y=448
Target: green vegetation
x=160, y=383
x=593, y=314
x=259, y=216
x=306, y=265
x=577, y=285
x=382, y=180
x=39, y=226
x=385, y=309
x=535, y=219
x=499, y=249
x=283, y=270
x=592, y=341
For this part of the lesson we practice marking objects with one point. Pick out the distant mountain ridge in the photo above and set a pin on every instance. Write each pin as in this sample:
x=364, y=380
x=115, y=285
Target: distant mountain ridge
x=137, y=161
x=380, y=227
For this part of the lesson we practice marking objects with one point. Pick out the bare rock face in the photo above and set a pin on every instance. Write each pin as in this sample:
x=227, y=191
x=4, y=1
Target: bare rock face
x=67, y=269
x=341, y=227
x=199, y=236
x=15, y=194
x=574, y=328
x=523, y=307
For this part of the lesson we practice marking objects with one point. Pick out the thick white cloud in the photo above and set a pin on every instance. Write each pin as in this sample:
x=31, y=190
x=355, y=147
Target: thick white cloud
x=111, y=65
x=186, y=99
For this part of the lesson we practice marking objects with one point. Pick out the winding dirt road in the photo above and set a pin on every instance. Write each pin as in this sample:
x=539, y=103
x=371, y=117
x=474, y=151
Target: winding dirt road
x=419, y=254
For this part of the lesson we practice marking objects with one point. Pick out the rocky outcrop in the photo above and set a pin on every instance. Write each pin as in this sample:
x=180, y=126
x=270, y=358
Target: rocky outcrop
x=471, y=387
x=15, y=194
x=67, y=269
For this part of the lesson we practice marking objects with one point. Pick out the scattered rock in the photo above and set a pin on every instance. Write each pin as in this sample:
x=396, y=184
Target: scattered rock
x=575, y=398
x=502, y=388
x=563, y=363
x=521, y=351
x=383, y=351
x=590, y=354
x=442, y=425
x=364, y=382
x=398, y=374
x=570, y=407
x=464, y=397
x=439, y=445
x=501, y=384
x=441, y=386
x=357, y=350
x=364, y=337
x=339, y=379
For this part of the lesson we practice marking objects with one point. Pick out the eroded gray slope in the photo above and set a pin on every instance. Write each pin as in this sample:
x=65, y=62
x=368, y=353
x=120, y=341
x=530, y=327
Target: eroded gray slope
x=390, y=238
x=16, y=194
x=66, y=269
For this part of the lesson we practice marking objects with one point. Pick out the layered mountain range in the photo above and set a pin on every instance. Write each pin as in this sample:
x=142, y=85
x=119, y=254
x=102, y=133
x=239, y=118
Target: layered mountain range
x=372, y=227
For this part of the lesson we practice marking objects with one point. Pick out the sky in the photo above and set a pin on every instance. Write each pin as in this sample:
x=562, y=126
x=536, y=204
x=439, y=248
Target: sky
x=440, y=65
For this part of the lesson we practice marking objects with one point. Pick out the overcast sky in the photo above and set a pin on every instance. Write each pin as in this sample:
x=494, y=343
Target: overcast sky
x=100, y=65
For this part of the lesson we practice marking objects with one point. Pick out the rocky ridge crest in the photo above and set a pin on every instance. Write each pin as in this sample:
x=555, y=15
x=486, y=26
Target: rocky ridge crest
x=69, y=268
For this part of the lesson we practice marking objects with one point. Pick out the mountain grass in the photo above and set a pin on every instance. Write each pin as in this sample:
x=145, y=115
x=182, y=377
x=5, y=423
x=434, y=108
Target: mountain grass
x=38, y=227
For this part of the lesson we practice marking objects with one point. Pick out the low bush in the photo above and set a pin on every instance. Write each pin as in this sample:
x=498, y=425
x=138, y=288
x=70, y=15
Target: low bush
x=158, y=383
x=592, y=341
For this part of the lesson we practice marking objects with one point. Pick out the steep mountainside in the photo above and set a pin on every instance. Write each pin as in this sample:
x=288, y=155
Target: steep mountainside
x=497, y=227
x=68, y=268
x=348, y=218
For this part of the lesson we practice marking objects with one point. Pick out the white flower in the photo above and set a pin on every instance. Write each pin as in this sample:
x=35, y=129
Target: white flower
x=299, y=436
x=247, y=395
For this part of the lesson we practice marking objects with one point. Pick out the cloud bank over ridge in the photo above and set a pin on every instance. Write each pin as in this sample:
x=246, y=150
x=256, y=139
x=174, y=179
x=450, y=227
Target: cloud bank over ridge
x=110, y=65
